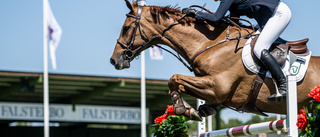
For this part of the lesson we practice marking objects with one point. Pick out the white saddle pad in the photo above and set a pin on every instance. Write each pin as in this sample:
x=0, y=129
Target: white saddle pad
x=298, y=68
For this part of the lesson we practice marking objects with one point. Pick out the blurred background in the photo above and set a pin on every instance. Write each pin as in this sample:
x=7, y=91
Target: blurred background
x=84, y=78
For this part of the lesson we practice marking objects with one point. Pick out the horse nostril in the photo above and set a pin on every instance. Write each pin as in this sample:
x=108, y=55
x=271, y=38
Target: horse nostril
x=112, y=61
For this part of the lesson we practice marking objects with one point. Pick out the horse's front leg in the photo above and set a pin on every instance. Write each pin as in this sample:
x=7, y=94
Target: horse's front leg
x=199, y=87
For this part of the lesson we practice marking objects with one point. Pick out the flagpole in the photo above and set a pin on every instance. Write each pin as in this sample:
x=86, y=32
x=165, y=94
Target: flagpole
x=143, y=96
x=45, y=72
x=143, y=87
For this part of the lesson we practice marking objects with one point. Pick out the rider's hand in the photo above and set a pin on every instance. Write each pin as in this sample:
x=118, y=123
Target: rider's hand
x=189, y=12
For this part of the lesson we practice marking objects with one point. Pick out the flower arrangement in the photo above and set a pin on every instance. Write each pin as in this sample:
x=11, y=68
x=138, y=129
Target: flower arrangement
x=170, y=125
x=309, y=123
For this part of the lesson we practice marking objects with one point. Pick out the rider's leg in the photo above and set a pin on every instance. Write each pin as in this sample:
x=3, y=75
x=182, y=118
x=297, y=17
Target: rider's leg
x=276, y=72
x=271, y=31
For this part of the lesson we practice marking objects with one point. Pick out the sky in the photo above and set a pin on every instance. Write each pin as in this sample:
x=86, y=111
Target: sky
x=91, y=27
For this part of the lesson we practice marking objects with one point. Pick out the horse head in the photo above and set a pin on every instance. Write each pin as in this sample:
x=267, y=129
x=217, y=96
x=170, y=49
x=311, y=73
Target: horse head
x=132, y=39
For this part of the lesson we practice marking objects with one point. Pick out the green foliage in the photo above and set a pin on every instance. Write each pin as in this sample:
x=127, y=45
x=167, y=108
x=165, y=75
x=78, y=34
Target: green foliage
x=271, y=118
x=173, y=126
x=254, y=119
x=223, y=124
x=192, y=127
x=234, y=123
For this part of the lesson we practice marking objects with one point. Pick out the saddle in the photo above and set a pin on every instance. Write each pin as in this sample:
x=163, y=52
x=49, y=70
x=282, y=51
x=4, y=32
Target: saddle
x=279, y=50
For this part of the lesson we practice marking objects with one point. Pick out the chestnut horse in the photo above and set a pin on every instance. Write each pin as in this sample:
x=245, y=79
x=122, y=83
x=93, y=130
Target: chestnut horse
x=220, y=76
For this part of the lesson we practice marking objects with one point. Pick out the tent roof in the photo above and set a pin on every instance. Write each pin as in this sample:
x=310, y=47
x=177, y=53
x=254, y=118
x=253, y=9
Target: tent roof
x=80, y=89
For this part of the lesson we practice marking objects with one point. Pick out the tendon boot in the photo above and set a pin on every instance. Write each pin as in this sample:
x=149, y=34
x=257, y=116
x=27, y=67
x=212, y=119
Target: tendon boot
x=178, y=105
x=276, y=72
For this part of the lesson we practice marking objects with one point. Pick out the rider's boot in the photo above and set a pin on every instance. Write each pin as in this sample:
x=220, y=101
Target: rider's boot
x=276, y=72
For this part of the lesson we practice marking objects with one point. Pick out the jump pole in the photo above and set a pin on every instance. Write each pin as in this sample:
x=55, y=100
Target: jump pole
x=247, y=130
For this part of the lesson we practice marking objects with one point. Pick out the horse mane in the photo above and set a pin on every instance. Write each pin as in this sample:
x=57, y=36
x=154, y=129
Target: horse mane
x=168, y=12
x=175, y=13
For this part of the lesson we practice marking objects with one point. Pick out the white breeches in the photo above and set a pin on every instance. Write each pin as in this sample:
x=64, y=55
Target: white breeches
x=273, y=28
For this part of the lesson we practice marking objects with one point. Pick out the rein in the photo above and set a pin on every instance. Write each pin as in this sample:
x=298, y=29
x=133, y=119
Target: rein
x=229, y=20
x=129, y=53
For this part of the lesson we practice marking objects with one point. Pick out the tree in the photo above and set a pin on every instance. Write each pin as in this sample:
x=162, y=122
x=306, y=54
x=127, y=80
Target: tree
x=234, y=123
x=254, y=119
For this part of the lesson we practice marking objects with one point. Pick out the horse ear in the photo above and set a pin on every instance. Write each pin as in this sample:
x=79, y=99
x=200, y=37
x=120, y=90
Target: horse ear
x=129, y=5
x=134, y=3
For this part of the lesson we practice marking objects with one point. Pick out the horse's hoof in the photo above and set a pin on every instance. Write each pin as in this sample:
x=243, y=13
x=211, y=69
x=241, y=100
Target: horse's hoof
x=206, y=110
x=194, y=115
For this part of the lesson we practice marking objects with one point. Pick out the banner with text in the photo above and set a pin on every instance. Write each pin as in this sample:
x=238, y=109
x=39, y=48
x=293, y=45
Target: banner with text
x=64, y=112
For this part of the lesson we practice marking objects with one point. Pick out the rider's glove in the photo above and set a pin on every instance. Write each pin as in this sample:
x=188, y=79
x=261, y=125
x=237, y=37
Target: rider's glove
x=189, y=12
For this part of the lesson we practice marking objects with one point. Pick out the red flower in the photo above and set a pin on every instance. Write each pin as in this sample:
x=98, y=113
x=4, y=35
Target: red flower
x=315, y=93
x=167, y=113
x=302, y=120
x=160, y=119
x=170, y=110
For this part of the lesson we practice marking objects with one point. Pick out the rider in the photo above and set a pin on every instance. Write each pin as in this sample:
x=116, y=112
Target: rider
x=272, y=17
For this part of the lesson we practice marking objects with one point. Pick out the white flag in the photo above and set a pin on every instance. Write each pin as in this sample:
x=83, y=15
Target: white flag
x=54, y=34
x=156, y=53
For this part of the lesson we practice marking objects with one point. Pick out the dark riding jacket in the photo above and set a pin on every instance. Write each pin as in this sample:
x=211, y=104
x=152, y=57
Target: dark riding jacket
x=260, y=10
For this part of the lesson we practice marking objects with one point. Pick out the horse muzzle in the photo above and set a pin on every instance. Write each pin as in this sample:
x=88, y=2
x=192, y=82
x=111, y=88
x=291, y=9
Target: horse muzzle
x=120, y=63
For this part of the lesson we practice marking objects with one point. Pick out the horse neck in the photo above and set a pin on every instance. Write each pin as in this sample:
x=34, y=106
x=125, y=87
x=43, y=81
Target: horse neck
x=190, y=40
x=187, y=40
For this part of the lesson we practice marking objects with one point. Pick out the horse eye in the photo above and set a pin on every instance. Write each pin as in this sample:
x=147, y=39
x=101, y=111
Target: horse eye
x=125, y=29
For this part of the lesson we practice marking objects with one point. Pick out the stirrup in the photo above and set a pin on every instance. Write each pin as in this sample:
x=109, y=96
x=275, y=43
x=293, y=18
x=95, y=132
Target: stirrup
x=178, y=105
x=278, y=97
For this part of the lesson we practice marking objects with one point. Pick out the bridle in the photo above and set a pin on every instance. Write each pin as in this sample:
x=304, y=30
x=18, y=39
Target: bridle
x=129, y=53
